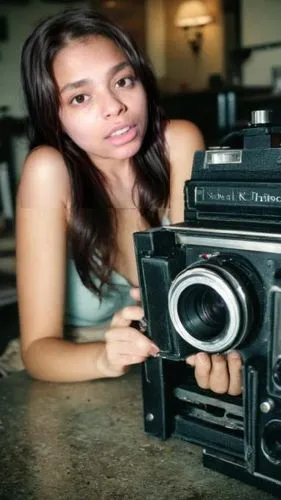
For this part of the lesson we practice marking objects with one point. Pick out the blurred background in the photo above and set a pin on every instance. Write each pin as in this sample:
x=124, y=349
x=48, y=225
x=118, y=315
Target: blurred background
x=215, y=61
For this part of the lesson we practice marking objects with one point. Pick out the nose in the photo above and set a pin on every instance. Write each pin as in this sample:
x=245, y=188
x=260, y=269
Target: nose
x=111, y=105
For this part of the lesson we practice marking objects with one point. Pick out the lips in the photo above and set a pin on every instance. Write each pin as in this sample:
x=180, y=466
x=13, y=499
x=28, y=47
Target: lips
x=119, y=130
x=122, y=134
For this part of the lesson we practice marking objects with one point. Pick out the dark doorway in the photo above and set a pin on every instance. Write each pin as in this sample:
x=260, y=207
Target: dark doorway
x=232, y=40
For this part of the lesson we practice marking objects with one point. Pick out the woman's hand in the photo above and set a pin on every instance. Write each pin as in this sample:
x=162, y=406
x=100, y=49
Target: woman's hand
x=125, y=345
x=218, y=372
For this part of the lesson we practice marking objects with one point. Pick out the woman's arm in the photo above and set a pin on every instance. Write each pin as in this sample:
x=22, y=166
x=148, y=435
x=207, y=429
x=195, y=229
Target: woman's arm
x=183, y=139
x=82, y=334
x=41, y=241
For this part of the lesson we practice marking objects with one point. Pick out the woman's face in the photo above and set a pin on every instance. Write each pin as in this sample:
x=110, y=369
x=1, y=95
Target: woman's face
x=103, y=105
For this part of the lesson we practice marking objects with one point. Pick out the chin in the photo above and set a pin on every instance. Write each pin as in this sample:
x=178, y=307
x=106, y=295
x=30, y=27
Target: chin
x=128, y=150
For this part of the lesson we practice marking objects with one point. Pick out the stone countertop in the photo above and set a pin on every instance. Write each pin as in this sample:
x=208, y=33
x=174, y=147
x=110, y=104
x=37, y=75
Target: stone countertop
x=86, y=441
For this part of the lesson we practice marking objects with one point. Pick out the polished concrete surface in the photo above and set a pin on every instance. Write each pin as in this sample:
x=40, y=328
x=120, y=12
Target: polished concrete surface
x=86, y=441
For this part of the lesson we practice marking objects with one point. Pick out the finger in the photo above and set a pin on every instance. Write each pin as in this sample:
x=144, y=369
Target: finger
x=191, y=360
x=125, y=316
x=219, y=377
x=117, y=357
x=135, y=294
x=131, y=359
x=235, y=373
x=130, y=341
x=202, y=370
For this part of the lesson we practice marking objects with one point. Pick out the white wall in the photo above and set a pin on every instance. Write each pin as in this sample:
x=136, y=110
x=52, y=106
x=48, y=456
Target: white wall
x=21, y=20
x=261, y=23
x=155, y=29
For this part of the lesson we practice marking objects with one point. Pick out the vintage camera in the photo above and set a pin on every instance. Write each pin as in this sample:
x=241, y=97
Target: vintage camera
x=213, y=284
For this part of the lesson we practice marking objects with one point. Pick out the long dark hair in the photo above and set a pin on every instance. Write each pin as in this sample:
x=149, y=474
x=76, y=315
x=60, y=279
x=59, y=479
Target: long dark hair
x=93, y=227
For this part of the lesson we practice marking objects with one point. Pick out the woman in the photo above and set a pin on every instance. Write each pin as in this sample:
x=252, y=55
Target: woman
x=103, y=164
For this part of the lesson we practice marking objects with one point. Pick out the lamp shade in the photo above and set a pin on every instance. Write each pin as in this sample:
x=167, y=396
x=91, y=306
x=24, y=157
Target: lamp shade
x=192, y=13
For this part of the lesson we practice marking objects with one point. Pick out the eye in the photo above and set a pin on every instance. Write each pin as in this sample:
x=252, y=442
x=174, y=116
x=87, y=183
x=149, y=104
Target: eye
x=127, y=81
x=79, y=99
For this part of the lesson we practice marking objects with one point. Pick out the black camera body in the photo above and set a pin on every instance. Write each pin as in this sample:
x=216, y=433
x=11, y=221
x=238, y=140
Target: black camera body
x=213, y=284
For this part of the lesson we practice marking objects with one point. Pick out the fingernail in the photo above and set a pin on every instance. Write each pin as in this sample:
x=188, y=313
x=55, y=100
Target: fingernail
x=143, y=325
x=154, y=351
x=201, y=356
x=190, y=360
x=235, y=355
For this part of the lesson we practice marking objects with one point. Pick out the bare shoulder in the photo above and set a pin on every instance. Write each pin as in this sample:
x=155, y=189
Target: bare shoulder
x=183, y=136
x=44, y=180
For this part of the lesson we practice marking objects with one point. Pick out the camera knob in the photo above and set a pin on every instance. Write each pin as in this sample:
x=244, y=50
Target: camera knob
x=267, y=405
x=261, y=117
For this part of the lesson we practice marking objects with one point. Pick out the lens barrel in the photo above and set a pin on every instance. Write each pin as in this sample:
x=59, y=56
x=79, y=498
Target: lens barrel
x=210, y=306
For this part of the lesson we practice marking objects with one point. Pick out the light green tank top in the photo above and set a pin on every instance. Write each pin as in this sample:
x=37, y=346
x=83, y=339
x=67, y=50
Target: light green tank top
x=83, y=308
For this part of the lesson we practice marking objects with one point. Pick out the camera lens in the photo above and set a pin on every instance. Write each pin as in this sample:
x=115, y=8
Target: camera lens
x=202, y=311
x=271, y=441
x=210, y=308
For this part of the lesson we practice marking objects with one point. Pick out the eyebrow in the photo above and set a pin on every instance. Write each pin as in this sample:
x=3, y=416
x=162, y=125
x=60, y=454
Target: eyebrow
x=86, y=81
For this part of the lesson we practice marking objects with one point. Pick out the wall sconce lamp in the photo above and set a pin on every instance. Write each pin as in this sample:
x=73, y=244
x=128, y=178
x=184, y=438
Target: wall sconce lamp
x=109, y=4
x=191, y=16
